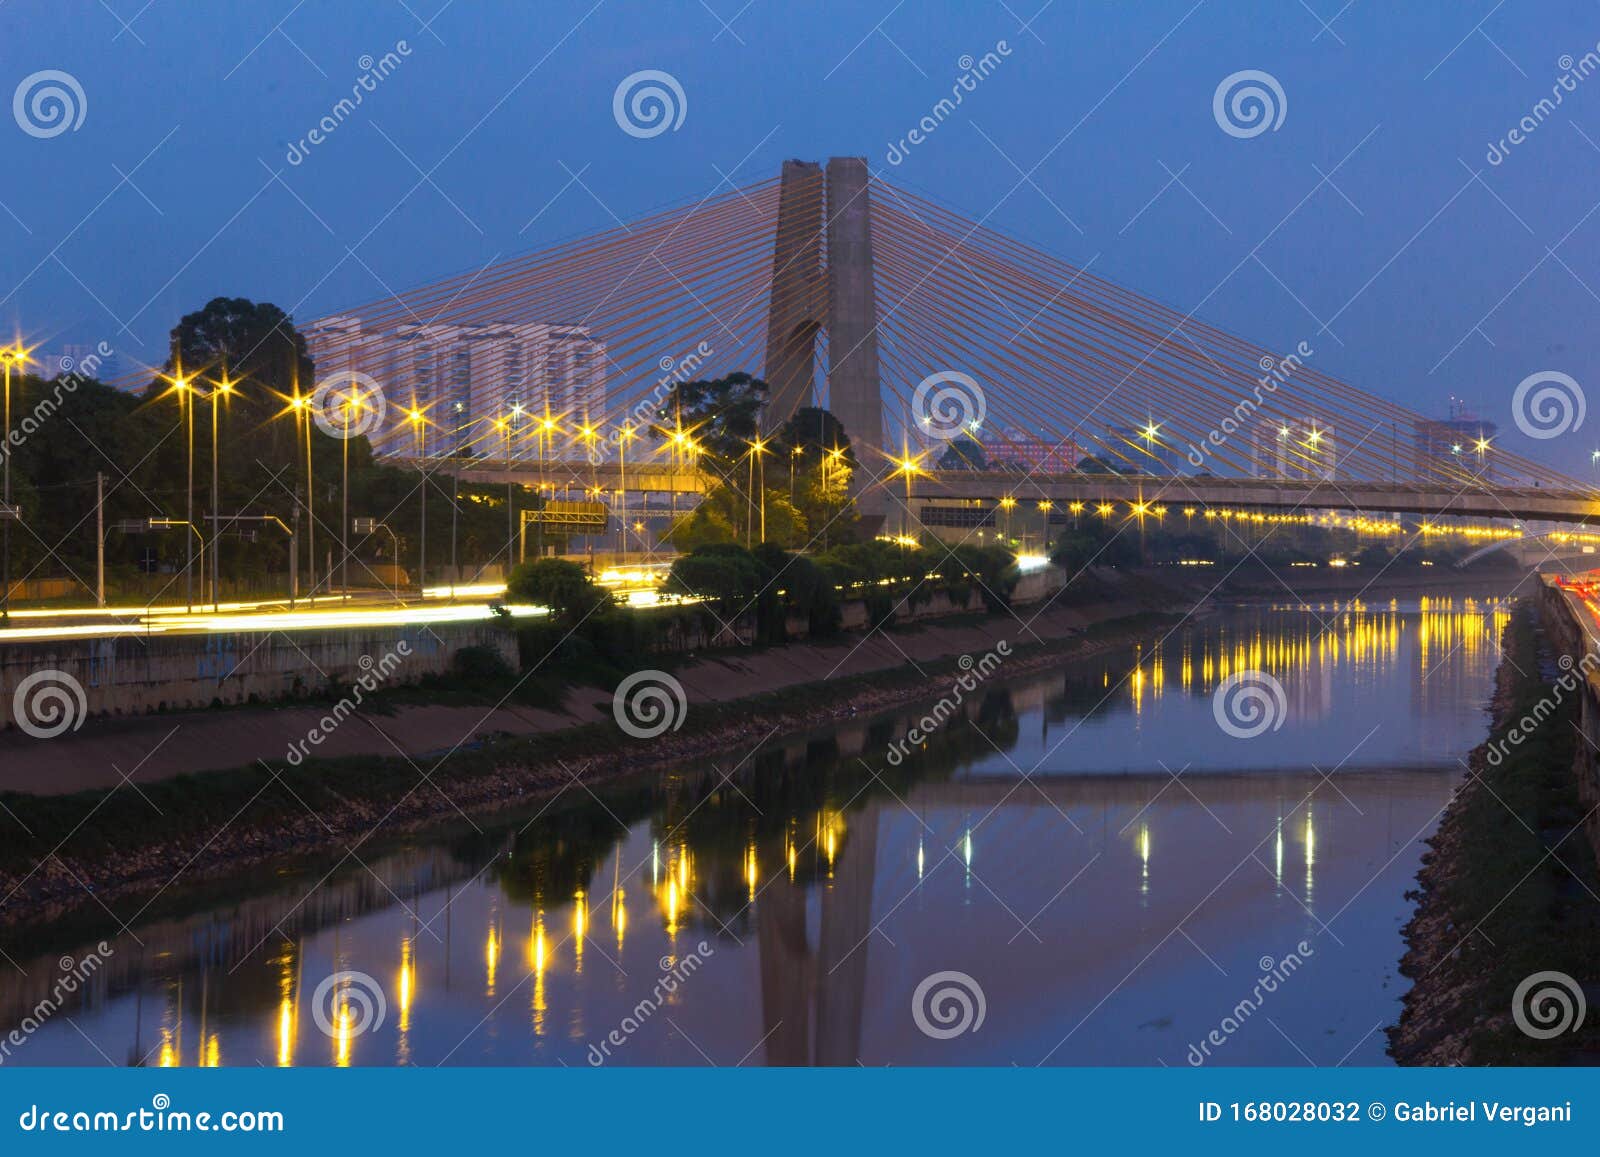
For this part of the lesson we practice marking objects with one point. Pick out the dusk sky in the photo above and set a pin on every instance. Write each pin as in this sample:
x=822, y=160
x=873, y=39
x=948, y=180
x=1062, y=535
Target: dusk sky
x=1370, y=224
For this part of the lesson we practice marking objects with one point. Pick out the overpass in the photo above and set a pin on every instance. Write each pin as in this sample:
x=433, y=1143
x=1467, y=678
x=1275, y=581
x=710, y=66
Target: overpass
x=1130, y=492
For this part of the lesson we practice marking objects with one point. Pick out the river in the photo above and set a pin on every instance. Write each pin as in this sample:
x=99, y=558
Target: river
x=1077, y=867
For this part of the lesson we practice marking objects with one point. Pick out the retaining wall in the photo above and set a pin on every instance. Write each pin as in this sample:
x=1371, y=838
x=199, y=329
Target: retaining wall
x=136, y=674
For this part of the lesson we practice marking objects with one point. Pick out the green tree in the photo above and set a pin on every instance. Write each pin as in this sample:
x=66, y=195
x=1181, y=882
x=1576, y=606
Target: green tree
x=563, y=586
x=724, y=415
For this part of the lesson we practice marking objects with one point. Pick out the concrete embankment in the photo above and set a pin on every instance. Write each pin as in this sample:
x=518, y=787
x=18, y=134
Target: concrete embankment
x=1503, y=945
x=258, y=809
x=142, y=746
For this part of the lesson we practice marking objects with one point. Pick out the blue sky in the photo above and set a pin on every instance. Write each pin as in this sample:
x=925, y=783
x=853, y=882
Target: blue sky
x=1418, y=269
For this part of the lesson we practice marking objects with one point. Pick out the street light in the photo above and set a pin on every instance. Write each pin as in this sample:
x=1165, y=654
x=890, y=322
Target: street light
x=219, y=389
x=757, y=449
x=624, y=432
x=302, y=419
x=907, y=466
x=181, y=385
x=420, y=425
x=15, y=356
x=504, y=426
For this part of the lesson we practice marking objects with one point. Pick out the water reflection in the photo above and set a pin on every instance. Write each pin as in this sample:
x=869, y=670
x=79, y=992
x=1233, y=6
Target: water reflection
x=1019, y=844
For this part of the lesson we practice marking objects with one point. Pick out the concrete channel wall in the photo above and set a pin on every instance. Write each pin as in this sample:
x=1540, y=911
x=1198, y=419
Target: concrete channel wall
x=134, y=674
x=137, y=674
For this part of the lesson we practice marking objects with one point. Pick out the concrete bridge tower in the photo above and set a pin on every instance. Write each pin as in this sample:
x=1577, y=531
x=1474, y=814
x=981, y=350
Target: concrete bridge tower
x=813, y=293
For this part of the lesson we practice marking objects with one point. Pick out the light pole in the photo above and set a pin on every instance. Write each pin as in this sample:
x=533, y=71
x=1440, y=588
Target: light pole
x=181, y=385
x=511, y=530
x=344, y=506
x=1007, y=504
x=303, y=420
x=421, y=427
x=624, y=433
x=219, y=390
x=757, y=449
x=14, y=356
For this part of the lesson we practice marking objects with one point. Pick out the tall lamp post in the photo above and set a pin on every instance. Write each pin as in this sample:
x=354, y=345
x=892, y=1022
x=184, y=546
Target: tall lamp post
x=624, y=432
x=757, y=449
x=182, y=386
x=420, y=425
x=15, y=356
x=219, y=390
x=303, y=422
x=504, y=426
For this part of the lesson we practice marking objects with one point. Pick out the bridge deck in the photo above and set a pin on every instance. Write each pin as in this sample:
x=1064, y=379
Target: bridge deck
x=1534, y=503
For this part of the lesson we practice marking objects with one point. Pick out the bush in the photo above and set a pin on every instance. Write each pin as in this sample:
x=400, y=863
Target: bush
x=481, y=665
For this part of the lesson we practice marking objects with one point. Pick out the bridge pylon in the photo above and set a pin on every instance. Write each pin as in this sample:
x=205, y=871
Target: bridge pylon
x=830, y=292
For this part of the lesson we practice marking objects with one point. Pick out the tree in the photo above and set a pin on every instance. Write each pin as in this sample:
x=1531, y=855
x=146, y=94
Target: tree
x=723, y=515
x=257, y=345
x=725, y=575
x=1095, y=464
x=707, y=525
x=1095, y=542
x=724, y=415
x=813, y=431
x=563, y=586
x=963, y=453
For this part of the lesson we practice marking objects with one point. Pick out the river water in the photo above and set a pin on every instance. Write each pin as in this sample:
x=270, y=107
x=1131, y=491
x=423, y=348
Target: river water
x=1078, y=867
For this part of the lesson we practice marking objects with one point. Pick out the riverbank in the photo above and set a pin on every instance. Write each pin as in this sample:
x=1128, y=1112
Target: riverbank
x=1508, y=888
x=125, y=848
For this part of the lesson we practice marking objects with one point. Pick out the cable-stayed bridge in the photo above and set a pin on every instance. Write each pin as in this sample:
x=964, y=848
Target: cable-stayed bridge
x=968, y=368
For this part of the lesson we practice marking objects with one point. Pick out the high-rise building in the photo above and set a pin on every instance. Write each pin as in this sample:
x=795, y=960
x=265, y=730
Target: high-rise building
x=465, y=377
x=1301, y=450
x=1452, y=446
